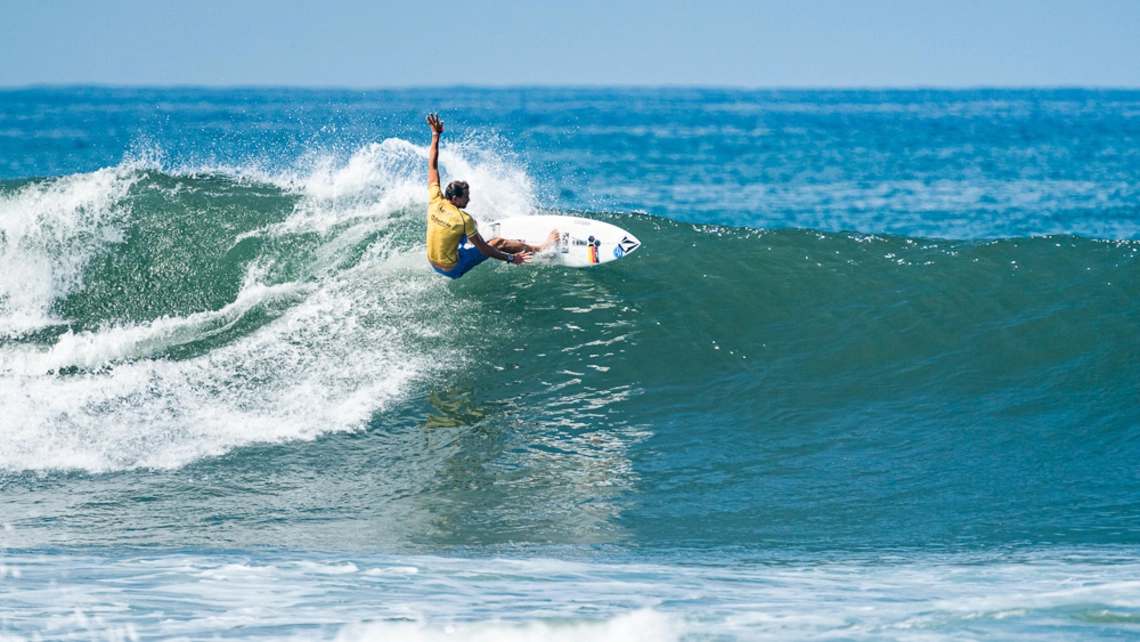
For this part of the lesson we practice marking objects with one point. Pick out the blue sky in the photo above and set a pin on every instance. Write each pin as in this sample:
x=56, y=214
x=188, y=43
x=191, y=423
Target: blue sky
x=401, y=43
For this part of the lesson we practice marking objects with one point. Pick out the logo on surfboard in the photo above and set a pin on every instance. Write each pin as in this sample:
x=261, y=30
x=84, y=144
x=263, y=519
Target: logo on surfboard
x=626, y=246
x=594, y=244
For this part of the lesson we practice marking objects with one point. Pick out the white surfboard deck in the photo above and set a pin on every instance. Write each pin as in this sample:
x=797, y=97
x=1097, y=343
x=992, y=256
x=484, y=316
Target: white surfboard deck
x=584, y=242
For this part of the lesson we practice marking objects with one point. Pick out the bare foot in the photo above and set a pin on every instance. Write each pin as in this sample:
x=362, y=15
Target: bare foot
x=550, y=241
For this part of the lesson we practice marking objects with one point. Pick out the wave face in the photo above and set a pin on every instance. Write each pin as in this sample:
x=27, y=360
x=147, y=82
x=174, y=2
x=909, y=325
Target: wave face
x=150, y=319
x=861, y=325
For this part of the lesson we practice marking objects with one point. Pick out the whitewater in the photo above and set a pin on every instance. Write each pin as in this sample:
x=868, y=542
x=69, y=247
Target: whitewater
x=872, y=374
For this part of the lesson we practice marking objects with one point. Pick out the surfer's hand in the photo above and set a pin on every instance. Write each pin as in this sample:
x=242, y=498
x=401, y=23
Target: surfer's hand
x=522, y=257
x=435, y=123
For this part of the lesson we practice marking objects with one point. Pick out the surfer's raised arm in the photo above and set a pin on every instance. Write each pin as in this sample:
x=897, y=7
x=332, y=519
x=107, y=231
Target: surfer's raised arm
x=433, y=157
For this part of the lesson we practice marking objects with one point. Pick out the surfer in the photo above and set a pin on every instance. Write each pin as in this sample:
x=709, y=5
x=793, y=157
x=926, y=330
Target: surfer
x=454, y=245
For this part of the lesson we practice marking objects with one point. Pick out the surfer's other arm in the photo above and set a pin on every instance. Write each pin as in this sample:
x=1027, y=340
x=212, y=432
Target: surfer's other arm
x=504, y=250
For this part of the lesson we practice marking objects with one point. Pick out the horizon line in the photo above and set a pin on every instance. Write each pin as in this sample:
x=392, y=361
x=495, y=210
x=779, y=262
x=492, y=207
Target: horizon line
x=572, y=86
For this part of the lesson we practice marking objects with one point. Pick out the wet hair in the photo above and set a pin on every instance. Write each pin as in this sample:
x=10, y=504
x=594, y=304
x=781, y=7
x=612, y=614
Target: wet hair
x=456, y=189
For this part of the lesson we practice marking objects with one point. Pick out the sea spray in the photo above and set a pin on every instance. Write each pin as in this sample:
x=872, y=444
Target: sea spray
x=49, y=231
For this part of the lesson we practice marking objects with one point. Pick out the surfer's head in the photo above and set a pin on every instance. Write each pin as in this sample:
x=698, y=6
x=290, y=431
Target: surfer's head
x=458, y=193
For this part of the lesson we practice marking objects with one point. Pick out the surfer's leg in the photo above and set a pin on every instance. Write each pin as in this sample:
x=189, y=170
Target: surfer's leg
x=550, y=240
x=517, y=246
x=511, y=247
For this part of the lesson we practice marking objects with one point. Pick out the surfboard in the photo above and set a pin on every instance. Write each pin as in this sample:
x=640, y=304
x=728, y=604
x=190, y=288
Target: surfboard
x=583, y=243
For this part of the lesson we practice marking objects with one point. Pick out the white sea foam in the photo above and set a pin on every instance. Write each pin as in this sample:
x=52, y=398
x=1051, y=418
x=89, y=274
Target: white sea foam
x=1046, y=595
x=318, y=367
x=340, y=191
x=645, y=624
x=335, y=346
x=92, y=350
x=49, y=230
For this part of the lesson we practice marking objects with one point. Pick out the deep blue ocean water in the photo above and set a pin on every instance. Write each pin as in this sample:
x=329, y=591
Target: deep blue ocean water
x=873, y=374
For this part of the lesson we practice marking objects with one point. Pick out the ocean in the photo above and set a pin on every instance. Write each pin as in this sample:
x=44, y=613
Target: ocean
x=872, y=375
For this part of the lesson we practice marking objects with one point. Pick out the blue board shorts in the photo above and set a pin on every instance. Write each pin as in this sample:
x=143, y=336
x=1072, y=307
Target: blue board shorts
x=469, y=257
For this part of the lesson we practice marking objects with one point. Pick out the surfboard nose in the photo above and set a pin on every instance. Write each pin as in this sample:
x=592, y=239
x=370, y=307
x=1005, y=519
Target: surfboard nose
x=628, y=244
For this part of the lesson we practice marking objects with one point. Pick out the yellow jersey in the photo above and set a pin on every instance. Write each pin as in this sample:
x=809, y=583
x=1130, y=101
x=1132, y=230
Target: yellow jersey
x=446, y=226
